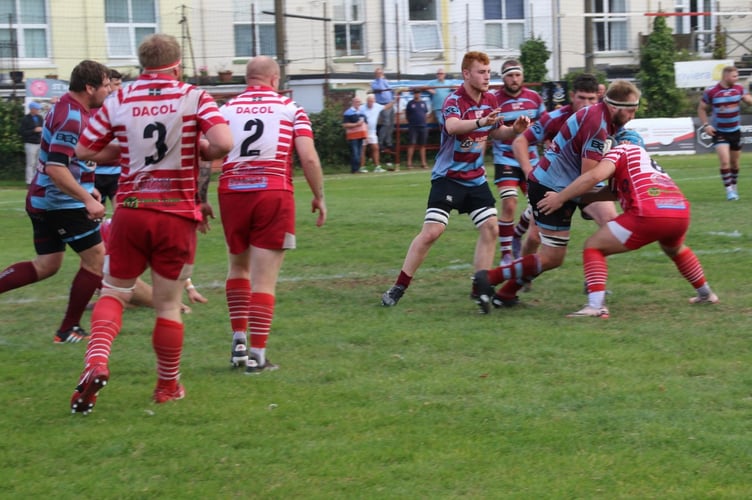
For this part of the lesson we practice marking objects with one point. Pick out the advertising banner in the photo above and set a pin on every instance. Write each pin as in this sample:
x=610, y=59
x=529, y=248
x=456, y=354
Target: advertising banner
x=699, y=74
x=666, y=136
x=704, y=143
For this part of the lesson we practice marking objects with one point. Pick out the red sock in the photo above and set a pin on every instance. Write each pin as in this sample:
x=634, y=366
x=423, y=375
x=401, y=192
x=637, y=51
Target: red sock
x=509, y=290
x=403, y=279
x=106, y=321
x=596, y=269
x=506, y=233
x=689, y=266
x=18, y=275
x=238, y=293
x=82, y=290
x=167, y=340
x=526, y=267
x=260, y=318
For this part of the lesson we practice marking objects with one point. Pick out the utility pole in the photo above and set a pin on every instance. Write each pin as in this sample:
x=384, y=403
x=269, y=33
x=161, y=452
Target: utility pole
x=589, y=65
x=280, y=33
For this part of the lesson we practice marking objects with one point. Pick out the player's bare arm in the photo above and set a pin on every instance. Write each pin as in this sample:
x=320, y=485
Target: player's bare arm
x=309, y=161
x=553, y=201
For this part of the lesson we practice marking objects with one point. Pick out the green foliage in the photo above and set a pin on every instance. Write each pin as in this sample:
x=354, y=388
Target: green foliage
x=329, y=135
x=599, y=75
x=533, y=56
x=719, y=42
x=11, y=146
x=660, y=97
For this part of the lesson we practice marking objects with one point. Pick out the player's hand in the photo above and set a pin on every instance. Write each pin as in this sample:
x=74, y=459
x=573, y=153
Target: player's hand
x=521, y=124
x=710, y=130
x=493, y=118
x=94, y=209
x=195, y=296
x=207, y=212
x=551, y=202
x=320, y=205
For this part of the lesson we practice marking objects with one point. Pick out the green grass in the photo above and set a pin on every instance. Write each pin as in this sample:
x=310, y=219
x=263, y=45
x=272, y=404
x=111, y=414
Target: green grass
x=425, y=400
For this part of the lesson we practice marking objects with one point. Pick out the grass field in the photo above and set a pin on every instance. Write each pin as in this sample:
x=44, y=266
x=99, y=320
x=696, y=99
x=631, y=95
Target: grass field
x=425, y=400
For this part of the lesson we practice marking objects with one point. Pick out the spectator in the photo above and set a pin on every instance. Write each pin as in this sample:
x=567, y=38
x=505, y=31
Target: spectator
x=356, y=131
x=384, y=95
x=417, y=129
x=161, y=202
x=31, y=135
x=371, y=110
x=439, y=90
x=62, y=203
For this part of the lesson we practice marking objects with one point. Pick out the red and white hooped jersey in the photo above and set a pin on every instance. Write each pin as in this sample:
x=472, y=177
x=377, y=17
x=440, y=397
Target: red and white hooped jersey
x=642, y=186
x=264, y=126
x=158, y=122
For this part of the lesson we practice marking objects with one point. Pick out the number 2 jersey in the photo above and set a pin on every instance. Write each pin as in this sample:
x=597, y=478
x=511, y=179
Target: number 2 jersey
x=158, y=122
x=264, y=124
x=643, y=188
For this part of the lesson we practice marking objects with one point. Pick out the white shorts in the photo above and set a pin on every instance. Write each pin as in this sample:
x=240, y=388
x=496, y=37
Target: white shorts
x=372, y=138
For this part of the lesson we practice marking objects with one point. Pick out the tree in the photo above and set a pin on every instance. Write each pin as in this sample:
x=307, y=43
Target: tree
x=719, y=43
x=533, y=56
x=660, y=97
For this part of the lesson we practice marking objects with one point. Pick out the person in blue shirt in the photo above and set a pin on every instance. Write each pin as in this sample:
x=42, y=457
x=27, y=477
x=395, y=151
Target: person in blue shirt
x=439, y=90
x=417, y=129
x=384, y=95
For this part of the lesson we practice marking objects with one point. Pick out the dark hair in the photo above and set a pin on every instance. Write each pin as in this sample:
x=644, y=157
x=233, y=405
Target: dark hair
x=585, y=83
x=87, y=73
x=115, y=74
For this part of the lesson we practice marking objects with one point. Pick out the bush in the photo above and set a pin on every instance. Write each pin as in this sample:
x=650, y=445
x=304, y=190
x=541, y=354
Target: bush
x=533, y=57
x=11, y=146
x=329, y=137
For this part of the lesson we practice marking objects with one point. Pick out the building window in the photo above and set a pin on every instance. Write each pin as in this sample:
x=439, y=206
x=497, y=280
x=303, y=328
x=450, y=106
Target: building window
x=349, y=17
x=425, y=32
x=127, y=23
x=504, y=23
x=703, y=27
x=23, y=29
x=255, y=32
x=609, y=33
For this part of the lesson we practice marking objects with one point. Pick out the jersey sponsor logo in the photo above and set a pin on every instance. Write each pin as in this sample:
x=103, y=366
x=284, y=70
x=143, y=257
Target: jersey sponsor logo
x=253, y=110
x=67, y=137
x=161, y=109
x=598, y=145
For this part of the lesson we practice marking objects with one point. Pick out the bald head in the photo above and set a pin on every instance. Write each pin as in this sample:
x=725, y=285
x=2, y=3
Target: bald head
x=262, y=70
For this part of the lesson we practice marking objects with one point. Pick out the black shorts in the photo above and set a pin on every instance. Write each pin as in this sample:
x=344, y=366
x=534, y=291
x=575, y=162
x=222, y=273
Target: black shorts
x=448, y=195
x=107, y=185
x=560, y=220
x=417, y=135
x=733, y=139
x=56, y=228
x=509, y=173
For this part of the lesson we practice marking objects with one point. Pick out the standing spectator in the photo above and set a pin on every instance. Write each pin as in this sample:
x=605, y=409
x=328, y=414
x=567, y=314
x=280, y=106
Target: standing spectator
x=439, y=90
x=458, y=178
x=417, y=128
x=577, y=148
x=601, y=91
x=723, y=101
x=654, y=210
x=158, y=122
x=584, y=93
x=356, y=132
x=257, y=204
x=514, y=100
x=384, y=95
x=31, y=135
x=62, y=203
x=106, y=176
x=371, y=110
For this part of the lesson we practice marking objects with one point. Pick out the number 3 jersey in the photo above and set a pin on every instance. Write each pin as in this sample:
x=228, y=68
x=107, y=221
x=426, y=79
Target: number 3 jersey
x=264, y=126
x=158, y=122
